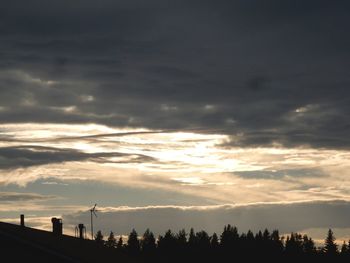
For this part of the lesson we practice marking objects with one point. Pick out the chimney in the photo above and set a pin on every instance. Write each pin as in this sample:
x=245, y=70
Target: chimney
x=56, y=226
x=22, y=220
x=82, y=231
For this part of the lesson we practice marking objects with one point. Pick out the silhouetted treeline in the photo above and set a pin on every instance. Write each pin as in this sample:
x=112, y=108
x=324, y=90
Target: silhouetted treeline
x=200, y=246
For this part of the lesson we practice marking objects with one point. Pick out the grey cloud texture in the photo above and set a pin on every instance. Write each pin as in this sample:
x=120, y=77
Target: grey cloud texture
x=14, y=157
x=281, y=174
x=21, y=197
x=26, y=156
x=264, y=73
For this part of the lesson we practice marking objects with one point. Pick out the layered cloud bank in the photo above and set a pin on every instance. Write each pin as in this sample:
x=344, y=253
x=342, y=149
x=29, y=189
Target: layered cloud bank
x=190, y=163
x=265, y=74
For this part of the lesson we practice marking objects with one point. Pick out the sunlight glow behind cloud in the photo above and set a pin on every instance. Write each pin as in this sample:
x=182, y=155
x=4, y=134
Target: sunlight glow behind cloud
x=192, y=163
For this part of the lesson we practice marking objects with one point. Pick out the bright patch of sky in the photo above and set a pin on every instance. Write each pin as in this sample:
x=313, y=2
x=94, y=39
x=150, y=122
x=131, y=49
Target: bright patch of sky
x=59, y=164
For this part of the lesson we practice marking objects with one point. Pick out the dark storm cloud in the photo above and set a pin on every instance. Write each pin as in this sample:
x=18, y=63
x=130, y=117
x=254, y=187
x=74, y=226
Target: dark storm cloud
x=265, y=72
x=12, y=157
x=26, y=156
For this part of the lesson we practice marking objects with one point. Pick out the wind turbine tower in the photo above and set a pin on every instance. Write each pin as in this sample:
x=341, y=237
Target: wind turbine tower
x=92, y=211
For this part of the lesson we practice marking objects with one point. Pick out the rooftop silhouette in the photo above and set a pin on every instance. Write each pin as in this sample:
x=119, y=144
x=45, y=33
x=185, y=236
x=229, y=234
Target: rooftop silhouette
x=18, y=243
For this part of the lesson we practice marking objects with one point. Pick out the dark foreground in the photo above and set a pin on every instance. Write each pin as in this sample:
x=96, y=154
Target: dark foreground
x=18, y=244
x=22, y=244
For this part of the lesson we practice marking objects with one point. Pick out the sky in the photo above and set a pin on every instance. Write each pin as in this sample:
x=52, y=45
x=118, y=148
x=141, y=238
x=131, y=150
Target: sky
x=176, y=114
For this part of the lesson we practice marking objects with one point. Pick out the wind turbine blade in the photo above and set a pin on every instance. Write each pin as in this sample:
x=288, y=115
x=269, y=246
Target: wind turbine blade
x=94, y=213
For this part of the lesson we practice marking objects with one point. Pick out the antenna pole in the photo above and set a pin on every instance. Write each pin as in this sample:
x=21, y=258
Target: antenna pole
x=92, y=227
x=92, y=210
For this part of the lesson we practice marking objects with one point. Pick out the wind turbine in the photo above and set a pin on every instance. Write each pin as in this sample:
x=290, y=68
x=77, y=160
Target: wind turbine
x=93, y=211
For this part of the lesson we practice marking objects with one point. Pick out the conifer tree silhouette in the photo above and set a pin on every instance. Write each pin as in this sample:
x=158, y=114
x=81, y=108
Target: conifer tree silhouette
x=200, y=247
x=120, y=243
x=148, y=242
x=276, y=242
x=133, y=244
x=181, y=240
x=330, y=247
x=111, y=241
x=214, y=241
x=202, y=240
x=191, y=238
x=344, y=249
x=229, y=237
x=167, y=242
x=99, y=238
x=308, y=245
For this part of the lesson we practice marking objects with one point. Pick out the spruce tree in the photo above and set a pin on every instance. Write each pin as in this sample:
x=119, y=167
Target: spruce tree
x=308, y=245
x=99, y=238
x=330, y=247
x=203, y=240
x=111, y=241
x=120, y=244
x=133, y=244
x=167, y=242
x=192, y=238
x=148, y=242
x=229, y=237
x=214, y=241
x=181, y=239
x=344, y=249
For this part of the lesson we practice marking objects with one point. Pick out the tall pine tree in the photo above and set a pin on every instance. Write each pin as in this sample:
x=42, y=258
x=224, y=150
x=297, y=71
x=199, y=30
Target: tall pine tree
x=111, y=241
x=133, y=244
x=120, y=244
x=330, y=247
x=148, y=242
x=99, y=238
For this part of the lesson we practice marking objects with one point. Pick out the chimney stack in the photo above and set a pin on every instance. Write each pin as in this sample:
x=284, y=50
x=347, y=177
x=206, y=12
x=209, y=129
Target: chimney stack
x=56, y=226
x=22, y=220
x=82, y=231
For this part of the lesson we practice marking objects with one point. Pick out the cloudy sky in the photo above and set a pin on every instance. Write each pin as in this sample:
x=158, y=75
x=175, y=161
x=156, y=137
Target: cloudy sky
x=172, y=114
